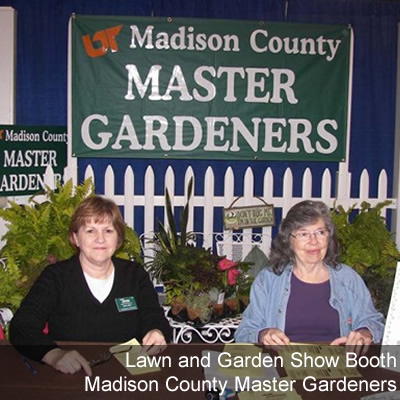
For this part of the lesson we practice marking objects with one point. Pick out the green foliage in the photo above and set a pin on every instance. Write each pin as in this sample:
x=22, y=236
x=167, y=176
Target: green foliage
x=188, y=268
x=367, y=246
x=181, y=266
x=170, y=240
x=244, y=280
x=130, y=249
x=38, y=236
x=198, y=305
x=188, y=271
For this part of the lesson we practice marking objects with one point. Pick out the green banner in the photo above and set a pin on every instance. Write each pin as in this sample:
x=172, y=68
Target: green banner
x=209, y=89
x=26, y=152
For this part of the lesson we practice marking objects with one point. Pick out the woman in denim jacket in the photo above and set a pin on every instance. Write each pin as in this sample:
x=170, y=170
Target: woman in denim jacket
x=306, y=295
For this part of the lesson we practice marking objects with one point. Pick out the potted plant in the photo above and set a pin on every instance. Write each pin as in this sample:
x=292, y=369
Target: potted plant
x=191, y=275
x=38, y=236
x=198, y=306
x=367, y=246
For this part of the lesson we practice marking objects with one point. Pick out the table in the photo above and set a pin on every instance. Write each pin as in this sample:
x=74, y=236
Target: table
x=17, y=382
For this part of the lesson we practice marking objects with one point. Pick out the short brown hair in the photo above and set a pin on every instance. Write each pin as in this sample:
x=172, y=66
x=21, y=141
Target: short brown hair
x=99, y=209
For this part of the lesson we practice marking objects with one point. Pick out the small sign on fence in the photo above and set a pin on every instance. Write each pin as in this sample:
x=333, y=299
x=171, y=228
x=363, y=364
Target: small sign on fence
x=249, y=217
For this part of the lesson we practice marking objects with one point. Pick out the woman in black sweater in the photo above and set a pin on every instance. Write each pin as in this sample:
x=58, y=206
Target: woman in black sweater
x=91, y=297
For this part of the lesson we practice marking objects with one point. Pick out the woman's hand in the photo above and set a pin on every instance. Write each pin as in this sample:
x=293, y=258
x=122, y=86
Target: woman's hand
x=273, y=337
x=67, y=362
x=153, y=342
x=358, y=341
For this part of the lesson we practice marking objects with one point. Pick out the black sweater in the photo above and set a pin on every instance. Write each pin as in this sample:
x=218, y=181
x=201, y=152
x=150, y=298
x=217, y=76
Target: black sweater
x=61, y=298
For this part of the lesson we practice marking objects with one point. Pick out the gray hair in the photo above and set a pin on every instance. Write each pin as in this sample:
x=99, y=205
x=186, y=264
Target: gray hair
x=300, y=215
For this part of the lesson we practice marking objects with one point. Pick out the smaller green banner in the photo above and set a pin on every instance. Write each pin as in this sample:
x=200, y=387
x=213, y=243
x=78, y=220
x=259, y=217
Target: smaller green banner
x=26, y=152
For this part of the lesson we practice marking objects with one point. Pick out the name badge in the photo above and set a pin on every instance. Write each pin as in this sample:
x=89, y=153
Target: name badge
x=126, y=304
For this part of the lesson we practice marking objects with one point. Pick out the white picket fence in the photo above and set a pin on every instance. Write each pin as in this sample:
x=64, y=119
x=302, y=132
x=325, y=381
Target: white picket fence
x=209, y=201
x=226, y=242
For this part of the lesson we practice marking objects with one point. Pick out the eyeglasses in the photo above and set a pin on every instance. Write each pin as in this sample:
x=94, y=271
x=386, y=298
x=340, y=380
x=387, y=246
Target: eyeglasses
x=320, y=234
x=104, y=357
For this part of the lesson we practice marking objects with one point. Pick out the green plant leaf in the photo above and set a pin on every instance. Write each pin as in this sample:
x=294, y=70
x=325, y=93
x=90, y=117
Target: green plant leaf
x=367, y=246
x=171, y=222
x=185, y=214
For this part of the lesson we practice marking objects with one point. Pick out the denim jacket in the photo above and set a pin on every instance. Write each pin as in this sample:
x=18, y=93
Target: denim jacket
x=270, y=294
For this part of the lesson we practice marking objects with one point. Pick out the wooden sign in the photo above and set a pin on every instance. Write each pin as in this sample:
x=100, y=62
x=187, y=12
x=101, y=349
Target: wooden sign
x=249, y=217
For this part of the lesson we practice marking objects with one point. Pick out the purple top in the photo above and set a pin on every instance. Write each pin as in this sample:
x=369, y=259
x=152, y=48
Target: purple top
x=309, y=316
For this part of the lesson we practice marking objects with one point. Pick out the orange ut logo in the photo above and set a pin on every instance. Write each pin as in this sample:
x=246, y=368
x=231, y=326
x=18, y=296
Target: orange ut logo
x=107, y=40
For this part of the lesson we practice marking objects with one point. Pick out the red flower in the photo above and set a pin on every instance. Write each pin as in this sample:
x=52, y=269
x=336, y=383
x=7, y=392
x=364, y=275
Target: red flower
x=225, y=264
x=232, y=274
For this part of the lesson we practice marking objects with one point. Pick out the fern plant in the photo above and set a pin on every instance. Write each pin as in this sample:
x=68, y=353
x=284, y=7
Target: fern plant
x=38, y=236
x=367, y=246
